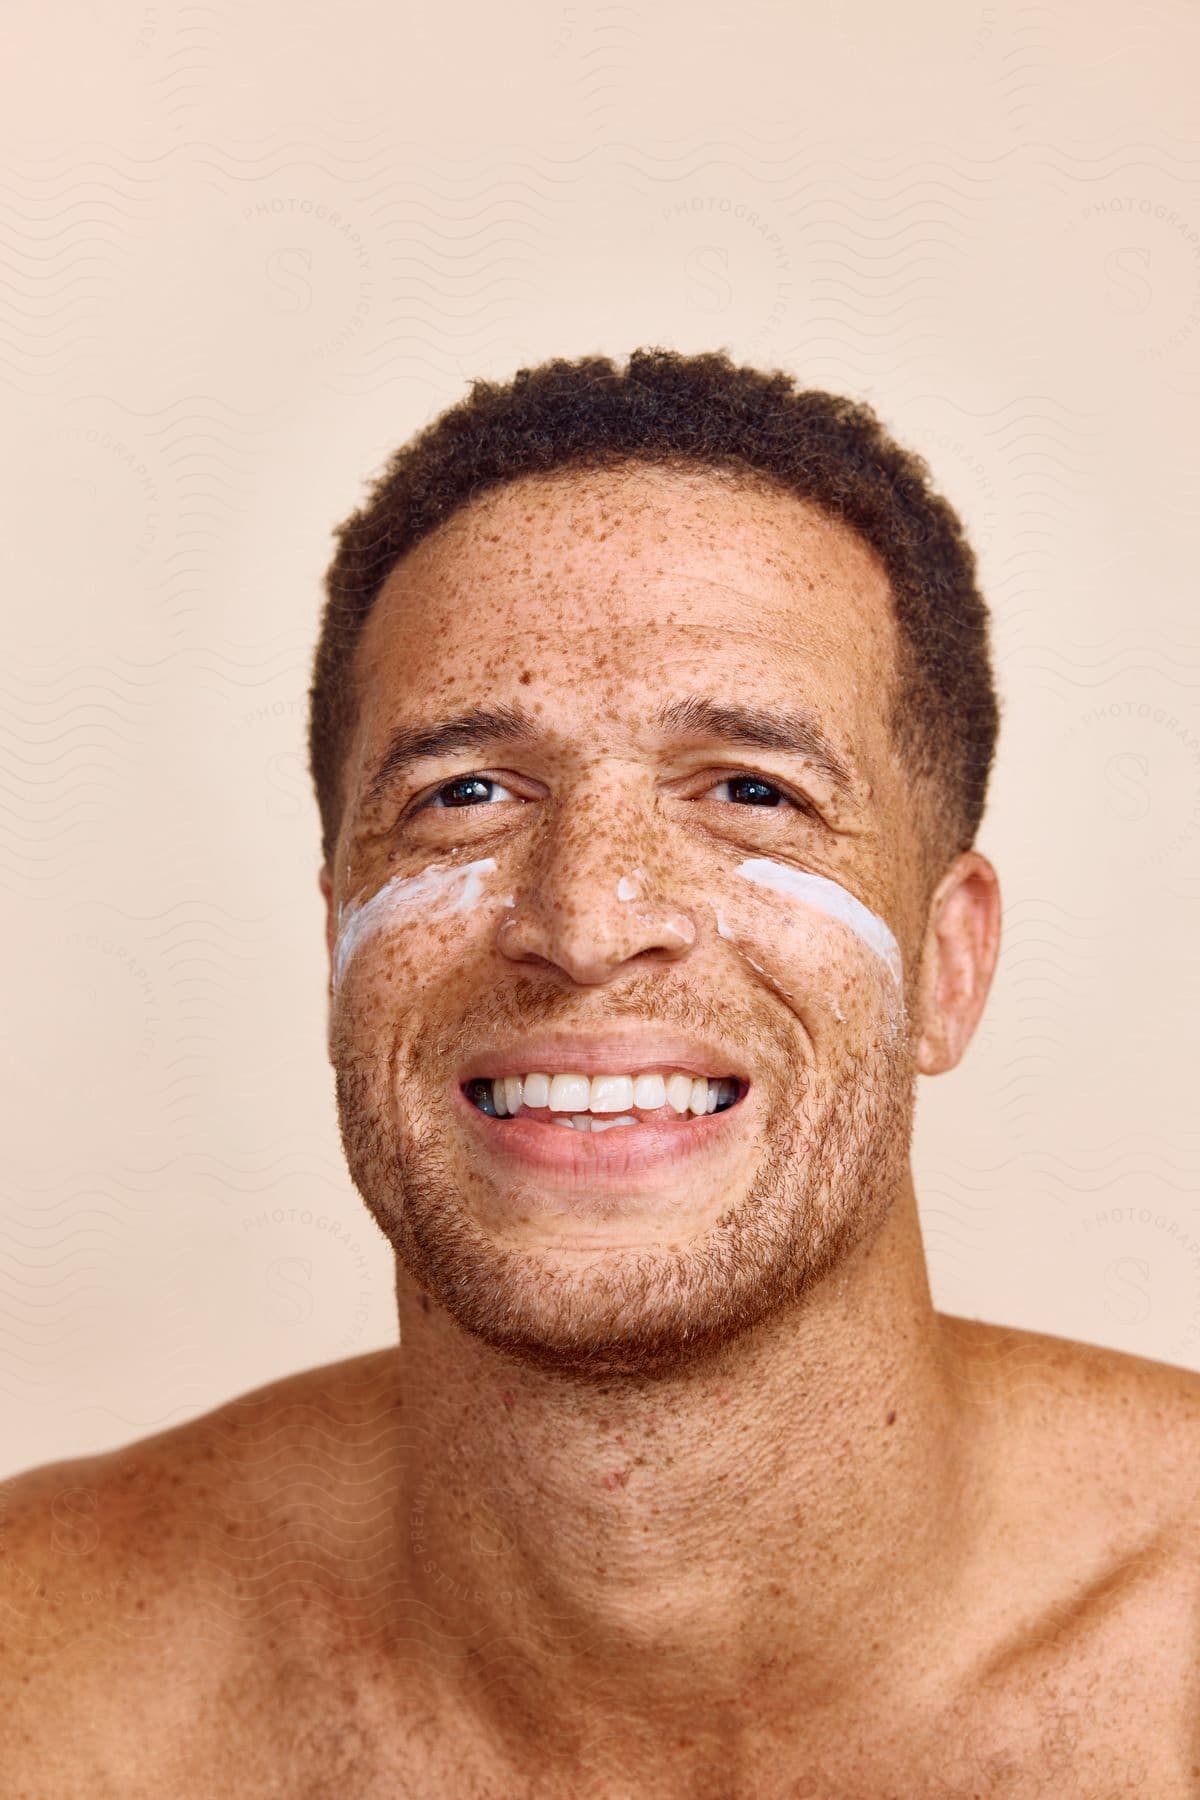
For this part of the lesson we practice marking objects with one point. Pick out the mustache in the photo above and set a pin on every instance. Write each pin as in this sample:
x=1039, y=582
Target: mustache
x=526, y=1006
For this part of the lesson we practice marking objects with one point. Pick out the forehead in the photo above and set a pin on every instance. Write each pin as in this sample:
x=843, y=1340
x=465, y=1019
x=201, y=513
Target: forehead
x=623, y=581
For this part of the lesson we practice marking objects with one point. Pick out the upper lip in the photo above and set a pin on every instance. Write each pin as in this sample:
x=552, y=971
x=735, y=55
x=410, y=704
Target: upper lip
x=618, y=1053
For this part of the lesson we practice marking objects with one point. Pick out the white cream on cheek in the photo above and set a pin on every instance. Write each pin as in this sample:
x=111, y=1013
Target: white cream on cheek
x=828, y=897
x=458, y=888
x=440, y=887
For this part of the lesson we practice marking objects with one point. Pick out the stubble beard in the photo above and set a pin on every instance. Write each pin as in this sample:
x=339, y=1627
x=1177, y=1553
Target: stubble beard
x=832, y=1157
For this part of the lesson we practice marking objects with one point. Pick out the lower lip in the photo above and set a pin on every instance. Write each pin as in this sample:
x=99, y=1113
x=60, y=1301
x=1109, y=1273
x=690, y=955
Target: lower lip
x=605, y=1155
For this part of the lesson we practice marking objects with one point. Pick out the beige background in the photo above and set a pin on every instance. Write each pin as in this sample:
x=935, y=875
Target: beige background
x=244, y=252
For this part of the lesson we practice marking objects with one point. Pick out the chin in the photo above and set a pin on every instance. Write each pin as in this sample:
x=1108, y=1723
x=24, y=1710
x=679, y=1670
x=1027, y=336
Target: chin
x=820, y=1183
x=648, y=1311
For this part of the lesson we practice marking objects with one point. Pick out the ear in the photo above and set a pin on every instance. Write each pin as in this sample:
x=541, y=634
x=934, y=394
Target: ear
x=958, y=958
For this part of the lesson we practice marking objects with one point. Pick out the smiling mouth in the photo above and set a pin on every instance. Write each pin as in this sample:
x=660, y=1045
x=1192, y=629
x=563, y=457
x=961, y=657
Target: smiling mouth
x=728, y=1092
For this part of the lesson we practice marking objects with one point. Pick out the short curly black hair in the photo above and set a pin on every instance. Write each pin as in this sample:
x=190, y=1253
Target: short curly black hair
x=670, y=409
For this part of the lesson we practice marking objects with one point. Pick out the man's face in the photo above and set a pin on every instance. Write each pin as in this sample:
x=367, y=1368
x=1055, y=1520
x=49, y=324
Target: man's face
x=621, y=876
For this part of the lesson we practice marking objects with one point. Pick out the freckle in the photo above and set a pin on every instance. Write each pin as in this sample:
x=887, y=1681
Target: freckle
x=424, y=1302
x=891, y=1418
x=525, y=677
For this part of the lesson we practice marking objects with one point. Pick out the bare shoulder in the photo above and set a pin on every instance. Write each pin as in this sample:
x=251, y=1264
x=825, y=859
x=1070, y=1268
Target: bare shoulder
x=1095, y=1461
x=1087, y=1577
x=1089, y=1409
x=1113, y=1436
x=138, y=1580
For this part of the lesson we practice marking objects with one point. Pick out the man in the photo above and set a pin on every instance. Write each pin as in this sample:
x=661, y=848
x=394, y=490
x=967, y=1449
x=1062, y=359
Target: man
x=652, y=721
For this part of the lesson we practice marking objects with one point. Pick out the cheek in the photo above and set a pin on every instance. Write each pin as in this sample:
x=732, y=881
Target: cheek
x=818, y=946
x=807, y=937
x=411, y=927
x=813, y=964
x=396, y=949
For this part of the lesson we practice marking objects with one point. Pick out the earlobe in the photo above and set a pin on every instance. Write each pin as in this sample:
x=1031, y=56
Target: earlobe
x=962, y=942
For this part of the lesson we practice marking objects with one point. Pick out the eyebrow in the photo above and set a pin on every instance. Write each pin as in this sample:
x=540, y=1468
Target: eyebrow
x=792, y=730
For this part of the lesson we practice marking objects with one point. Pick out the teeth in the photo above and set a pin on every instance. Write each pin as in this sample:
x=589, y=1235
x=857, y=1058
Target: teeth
x=585, y=1122
x=572, y=1094
x=576, y=1097
x=537, y=1090
x=609, y=1093
x=679, y=1092
x=649, y=1092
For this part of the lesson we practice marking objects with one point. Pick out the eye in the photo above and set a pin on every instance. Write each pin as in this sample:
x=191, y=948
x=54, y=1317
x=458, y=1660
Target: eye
x=461, y=783
x=448, y=787
x=757, y=781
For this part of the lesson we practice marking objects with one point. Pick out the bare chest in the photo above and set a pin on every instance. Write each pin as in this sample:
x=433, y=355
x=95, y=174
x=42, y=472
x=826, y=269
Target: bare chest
x=1075, y=1731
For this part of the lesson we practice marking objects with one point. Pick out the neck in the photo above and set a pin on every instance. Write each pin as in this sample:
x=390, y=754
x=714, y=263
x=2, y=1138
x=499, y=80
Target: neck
x=745, y=1544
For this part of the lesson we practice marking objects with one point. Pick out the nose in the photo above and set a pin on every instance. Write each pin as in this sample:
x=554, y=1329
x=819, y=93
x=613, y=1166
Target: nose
x=588, y=907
